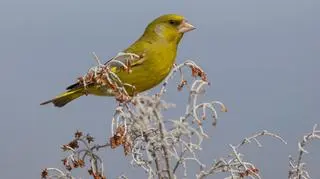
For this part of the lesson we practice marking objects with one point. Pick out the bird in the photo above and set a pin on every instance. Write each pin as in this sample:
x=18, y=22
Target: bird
x=157, y=48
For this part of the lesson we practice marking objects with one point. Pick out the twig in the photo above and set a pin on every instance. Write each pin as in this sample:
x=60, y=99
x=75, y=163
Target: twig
x=234, y=163
x=298, y=168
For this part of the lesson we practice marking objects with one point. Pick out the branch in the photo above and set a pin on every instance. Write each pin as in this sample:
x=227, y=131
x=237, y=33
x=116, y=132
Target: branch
x=234, y=164
x=81, y=150
x=298, y=168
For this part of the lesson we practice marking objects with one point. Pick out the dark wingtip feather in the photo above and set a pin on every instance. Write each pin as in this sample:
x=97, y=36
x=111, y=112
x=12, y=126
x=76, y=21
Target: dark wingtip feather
x=47, y=102
x=72, y=86
x=57, y=102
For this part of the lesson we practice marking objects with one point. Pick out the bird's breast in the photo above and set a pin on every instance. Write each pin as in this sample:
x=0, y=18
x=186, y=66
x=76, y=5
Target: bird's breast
x=157, y=65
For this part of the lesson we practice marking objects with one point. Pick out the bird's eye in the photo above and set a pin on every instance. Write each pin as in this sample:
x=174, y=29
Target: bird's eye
x=172, y=22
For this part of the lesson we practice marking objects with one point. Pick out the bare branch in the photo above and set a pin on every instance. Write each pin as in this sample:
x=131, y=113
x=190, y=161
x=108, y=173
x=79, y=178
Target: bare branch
x=153, y=141
x=234, y=164
x=297, y=167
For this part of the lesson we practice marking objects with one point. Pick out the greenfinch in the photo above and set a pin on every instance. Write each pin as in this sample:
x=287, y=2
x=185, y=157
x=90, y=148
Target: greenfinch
x=157, y=49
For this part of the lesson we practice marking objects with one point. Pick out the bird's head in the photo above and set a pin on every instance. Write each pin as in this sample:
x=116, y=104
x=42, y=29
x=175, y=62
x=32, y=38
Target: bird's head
x=169, y=27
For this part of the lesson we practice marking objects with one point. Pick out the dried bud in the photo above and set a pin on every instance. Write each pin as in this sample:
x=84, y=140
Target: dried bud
x=75, y=163
x=64, y=161
x=196, y=71
x=74, y=144
x=127, y=146
x=118, y=137
x=182, y=84
x=89, y=138
x=81, y=163
x=248, y=172
x=44, y=173
x=121, y=97
x=78, y=134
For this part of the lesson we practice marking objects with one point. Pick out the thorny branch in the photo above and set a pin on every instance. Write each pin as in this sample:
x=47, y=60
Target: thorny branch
x=297, y=167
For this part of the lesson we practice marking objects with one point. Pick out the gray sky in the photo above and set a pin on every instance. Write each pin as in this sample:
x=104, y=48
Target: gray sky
x=262, y=58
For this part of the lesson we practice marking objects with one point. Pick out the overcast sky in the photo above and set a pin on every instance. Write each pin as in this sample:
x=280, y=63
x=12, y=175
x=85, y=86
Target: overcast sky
x=262, y=58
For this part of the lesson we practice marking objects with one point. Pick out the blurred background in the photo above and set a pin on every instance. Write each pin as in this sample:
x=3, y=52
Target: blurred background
x=261, y=57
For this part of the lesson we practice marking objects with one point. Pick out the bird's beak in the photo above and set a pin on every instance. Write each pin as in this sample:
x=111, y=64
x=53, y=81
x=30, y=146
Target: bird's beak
x=185, y=27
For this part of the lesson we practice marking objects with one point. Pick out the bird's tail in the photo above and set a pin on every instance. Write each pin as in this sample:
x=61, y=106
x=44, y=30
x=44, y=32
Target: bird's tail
x=65, y=97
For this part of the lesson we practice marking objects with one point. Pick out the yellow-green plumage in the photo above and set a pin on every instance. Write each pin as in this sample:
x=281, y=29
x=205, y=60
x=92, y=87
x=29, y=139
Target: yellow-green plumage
x=158, y=46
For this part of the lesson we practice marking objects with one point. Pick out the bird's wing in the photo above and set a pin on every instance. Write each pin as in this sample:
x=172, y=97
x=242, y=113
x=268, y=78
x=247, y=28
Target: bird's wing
x=123, y=60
